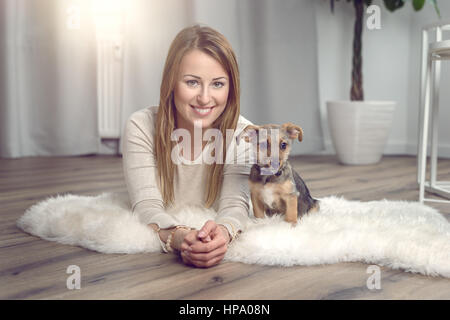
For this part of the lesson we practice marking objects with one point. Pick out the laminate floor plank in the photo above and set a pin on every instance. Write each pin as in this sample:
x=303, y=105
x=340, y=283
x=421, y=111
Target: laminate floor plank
x=32, y=268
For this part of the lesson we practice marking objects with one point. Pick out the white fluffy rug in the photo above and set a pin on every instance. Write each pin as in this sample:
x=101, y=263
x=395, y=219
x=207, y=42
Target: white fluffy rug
x=396, y=234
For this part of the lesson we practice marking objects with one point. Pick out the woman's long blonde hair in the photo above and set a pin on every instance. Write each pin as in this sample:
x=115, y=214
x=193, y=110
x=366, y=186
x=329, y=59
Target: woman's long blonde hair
x=217, y=46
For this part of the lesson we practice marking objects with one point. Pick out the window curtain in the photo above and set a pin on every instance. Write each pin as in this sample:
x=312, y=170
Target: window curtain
x=48, y=82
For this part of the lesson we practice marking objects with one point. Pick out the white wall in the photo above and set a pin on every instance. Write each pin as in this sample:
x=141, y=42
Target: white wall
x=391, y=67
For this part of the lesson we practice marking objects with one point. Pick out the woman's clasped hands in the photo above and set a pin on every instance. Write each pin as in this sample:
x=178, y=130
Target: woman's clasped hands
x=205, y=247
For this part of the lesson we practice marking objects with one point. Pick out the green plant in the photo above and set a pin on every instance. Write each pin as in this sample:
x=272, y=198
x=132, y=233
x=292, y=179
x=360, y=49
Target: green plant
x=356, y=92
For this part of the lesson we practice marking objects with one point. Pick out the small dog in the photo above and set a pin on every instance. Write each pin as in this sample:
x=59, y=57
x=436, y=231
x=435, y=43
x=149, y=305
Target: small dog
x=275, y=187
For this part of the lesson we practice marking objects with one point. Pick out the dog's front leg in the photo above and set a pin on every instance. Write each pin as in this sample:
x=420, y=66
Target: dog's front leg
x=291, y=209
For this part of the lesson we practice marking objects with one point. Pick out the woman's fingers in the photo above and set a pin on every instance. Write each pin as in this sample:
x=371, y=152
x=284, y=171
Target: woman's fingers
x=196, y=252
x=188, y=259
x=189, y=240
x=204, y=247
x=208, y=228
x=207, y=256
x=210, y=263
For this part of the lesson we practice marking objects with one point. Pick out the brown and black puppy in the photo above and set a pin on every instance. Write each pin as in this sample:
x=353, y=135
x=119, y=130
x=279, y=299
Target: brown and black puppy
x=275, y=187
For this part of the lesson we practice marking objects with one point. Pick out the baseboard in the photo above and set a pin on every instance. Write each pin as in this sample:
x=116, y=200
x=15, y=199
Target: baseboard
x=411, y=149
x=109, y=147
x=394, y=148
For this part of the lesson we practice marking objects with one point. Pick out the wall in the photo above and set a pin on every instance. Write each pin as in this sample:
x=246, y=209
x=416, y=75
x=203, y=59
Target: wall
x=294, y=55
x=391, y=67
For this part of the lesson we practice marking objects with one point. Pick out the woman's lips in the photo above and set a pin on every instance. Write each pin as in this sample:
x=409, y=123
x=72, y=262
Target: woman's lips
x=202, y=111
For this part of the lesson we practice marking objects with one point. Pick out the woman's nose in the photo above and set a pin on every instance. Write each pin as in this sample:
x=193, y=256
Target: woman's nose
x=204, y=97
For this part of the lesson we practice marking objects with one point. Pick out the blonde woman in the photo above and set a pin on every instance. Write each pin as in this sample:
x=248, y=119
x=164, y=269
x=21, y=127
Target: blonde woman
x=199, y=91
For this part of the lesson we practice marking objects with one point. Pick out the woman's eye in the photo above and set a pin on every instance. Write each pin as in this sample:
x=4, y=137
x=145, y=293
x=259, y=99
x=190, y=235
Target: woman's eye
x=192, y=83
x=218, y=84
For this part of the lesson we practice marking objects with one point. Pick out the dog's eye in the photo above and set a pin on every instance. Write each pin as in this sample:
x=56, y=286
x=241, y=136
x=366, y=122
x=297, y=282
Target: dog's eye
x=283, y=145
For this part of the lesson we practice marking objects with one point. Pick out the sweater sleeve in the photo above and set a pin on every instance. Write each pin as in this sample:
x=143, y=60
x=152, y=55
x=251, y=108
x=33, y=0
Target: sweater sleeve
x=234, y=201
x=139, y=169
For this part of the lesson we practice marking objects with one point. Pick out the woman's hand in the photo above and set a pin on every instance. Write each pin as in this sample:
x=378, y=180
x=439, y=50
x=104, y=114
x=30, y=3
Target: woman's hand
x=205, y=247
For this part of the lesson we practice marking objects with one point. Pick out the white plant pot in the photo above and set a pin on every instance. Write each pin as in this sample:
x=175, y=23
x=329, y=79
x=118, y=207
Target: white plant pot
x=359, y=129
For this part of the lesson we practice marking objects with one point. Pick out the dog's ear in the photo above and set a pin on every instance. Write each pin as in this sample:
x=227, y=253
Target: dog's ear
x=293, y=131
x=249, y=132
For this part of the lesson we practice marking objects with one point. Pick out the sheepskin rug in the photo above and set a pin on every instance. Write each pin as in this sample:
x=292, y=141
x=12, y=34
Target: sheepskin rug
x=396, y=234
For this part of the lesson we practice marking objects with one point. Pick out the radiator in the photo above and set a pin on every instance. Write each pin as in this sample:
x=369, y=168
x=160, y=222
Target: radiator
x=109, y=85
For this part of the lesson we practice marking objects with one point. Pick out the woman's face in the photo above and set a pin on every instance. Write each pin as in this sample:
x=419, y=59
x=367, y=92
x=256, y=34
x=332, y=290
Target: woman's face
x=201, y=91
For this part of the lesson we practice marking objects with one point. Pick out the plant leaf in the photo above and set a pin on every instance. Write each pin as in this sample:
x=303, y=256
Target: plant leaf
x=436, y=8
x=418, y=4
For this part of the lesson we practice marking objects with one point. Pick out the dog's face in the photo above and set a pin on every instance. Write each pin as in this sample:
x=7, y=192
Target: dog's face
x=271, y=143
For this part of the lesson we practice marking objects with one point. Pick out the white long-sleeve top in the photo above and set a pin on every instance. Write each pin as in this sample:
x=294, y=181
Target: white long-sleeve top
x=232, y=205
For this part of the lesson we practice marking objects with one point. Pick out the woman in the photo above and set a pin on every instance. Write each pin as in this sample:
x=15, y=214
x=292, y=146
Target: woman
x=199, y=91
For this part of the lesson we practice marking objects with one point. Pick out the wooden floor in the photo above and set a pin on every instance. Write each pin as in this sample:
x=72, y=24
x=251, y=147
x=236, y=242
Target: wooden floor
x=31, y=268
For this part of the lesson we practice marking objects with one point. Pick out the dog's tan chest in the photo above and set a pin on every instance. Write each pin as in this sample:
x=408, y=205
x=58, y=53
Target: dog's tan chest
x=269, y=197
x=272, y=194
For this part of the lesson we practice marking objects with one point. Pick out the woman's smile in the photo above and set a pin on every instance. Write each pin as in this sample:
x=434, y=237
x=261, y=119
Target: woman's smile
x=202, y=111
